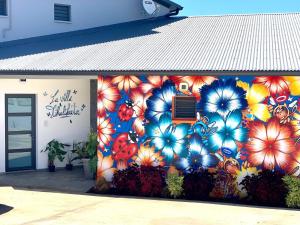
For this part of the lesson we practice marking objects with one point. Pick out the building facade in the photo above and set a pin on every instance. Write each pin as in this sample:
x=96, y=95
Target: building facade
x=216, y=92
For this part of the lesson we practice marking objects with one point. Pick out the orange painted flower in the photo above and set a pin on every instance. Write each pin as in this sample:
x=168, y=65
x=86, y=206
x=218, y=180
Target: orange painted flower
x=105, y=132
x=194, y=82
x=139, y=106
x=105, y=167
x=126, y=82
x=270, y=145
x=147, y=157
x=153, y=82
x=108, y=95
x=277, y=85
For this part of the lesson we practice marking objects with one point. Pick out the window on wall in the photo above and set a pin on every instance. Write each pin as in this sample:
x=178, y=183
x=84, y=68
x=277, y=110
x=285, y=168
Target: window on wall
x=184, y=109
x=62, y=12
x=3, y=7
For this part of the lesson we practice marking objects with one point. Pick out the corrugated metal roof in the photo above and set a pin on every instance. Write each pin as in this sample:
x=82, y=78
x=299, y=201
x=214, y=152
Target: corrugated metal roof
x=249, y=43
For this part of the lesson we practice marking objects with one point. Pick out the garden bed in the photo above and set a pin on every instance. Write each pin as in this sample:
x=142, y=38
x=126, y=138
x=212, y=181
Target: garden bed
x=267, y=188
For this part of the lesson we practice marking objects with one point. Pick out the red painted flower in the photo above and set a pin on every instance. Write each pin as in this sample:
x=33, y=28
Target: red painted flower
x=194, y=82
x=108, y=95
x=139, y=106
x=153, y=82
x=277, y=85
x=126, y=82
x=270, y=145
x=105, y=132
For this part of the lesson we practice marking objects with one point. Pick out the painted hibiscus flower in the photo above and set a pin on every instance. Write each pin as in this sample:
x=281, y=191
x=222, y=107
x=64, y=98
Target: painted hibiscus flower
x=147, y=157
x=198, y=157
x=108, y=95
x=105, y=167
x=160, y=102
x=222, y=96
x=270, y=145
x=126, y=82
x=194, y=82
x=229, y=131
x=255, y=96
x=168, y=138
x=153, y=82
x=139, y=106
x=277, y=85
x=105, y=132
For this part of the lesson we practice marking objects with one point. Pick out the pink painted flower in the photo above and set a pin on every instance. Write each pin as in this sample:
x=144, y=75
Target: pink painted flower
x=105, y=167
x=105, y=132
x=271, y=144
x=153, y=82
x=277, y=85
x=139, y=106
x=195, y=83
x=126, y=82
x=108, y=95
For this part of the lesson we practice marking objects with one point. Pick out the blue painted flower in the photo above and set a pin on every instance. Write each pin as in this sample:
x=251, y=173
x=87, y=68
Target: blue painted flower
x=168, y=138
x=223, y=97
x=198, y=157
x=228, y=132
x=160, y=102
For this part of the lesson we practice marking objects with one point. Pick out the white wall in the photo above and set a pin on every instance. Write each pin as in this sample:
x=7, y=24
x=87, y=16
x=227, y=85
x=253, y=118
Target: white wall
x=31, y=18
x=46, y=128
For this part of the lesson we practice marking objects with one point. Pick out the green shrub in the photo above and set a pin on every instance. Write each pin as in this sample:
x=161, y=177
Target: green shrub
x=293, y=197
x=175, y=183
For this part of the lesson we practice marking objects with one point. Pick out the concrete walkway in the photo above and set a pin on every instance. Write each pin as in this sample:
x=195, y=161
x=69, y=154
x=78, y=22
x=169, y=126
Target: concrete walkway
x=60, y=181
x=42, y=208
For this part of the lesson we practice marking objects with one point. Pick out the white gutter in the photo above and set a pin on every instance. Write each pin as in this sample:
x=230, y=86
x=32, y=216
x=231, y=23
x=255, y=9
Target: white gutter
x=5, y=30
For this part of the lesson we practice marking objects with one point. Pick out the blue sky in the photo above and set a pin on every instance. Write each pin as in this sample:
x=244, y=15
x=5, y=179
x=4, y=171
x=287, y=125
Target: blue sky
x=220, y=7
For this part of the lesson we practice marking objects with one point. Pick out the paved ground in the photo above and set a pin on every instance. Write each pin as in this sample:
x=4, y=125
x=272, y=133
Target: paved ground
x=61, y=181
x=42, y=208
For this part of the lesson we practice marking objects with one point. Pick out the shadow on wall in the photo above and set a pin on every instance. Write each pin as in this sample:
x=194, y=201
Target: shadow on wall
x=82, y=38
x=4, y=209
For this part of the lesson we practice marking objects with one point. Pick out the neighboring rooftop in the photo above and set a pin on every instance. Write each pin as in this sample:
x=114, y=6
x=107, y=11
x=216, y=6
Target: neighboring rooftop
x=232, y=43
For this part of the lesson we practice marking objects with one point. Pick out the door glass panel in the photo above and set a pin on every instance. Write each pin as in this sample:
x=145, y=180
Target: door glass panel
x=19, y=141
x=19, y=105
x=19, y=159
x=19, y=123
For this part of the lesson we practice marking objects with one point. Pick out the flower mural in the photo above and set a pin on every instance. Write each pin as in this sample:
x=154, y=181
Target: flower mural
x=195, y=83
x=168, y=138
x=270, y=144
x=108, y=95
x=199, y=156
x=243, y=126
x=222, y=97
x=277, y=85
x=139, y=106
x=105, y=132
x=105, y=167
x=160, y=102
x=153, y=82
x=255, y=96
x=148, y=157
x=126, y=82
x=229, y=132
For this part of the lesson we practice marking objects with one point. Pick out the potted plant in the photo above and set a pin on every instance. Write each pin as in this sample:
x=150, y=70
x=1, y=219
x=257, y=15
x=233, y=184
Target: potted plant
x=87, y=152
x=55, y=150
x=69, y=165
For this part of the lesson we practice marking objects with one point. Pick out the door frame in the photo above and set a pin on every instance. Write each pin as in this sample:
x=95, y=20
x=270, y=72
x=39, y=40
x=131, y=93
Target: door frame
x=33, y=131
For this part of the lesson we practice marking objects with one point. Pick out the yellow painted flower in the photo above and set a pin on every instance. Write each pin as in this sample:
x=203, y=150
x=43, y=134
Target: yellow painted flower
x=147, y=157
x=241, y=174
x=255, y=96
x=295, y=122
x=105, y=167
x=294, y=84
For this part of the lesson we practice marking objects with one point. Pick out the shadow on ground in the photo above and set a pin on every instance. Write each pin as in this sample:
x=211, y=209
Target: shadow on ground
x=4, y=209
